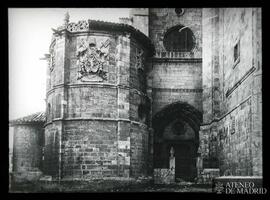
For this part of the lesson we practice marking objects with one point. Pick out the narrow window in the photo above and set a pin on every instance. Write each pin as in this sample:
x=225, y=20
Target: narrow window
x=236, y=53
x=233, y=125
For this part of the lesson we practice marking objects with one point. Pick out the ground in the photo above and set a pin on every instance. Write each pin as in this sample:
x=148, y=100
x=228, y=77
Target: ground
x=98, y=186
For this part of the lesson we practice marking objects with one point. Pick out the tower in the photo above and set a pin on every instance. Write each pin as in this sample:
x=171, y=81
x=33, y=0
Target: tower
x=175, y=87
x=140, y=19
x=97, y=107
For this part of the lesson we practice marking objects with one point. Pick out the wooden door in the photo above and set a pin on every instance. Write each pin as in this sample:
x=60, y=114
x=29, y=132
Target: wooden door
x=184, y=161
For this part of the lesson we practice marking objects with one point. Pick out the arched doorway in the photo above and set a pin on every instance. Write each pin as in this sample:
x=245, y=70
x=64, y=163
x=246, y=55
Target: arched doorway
x=177, y=126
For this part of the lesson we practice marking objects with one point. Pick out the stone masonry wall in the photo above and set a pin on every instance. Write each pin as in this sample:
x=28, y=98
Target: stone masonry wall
x=27, y=148
x=161, y=19
x=229, y=147
x=176, y=81
x=90, y=149
x=209, y=66
x=231, y=138
x=140, y=19
x=51, y=149
x=175, y=76
x=139, y=150
x=97, y=127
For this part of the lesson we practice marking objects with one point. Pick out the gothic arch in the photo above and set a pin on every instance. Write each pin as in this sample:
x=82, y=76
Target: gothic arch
x=180, y=110
x=185, y=147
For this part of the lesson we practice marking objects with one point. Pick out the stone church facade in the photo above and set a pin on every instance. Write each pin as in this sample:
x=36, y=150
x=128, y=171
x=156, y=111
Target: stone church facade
x=170, y=93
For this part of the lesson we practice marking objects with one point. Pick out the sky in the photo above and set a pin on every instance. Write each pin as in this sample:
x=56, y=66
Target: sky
x=29, y=39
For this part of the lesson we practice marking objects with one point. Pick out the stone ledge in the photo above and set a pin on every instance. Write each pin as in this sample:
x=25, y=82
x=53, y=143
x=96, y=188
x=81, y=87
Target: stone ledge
x=217, y=119
x=207, y=175
x=183, y=90
x=96, y=119
x=95, y=85
x=178, y=60
x=242, y=79
x=239, y=177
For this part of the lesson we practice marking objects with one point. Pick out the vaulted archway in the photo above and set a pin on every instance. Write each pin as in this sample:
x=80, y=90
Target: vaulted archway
x=177, y=125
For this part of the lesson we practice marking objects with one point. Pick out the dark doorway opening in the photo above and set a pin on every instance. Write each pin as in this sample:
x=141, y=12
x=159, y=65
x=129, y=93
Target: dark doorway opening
x=185, y=160
x=177, y=126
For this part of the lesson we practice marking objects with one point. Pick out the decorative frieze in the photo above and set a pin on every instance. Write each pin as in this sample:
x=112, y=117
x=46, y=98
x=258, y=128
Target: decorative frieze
x=77, y=27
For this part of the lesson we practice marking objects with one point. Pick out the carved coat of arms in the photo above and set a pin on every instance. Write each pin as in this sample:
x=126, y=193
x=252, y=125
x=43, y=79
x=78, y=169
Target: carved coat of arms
x=91, y=60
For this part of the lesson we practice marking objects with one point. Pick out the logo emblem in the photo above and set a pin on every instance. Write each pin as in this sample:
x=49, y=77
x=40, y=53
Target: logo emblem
x=219, y=188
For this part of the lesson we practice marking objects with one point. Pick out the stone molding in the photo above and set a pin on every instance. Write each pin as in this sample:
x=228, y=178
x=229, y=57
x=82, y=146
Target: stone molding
x=246, y=75
x=229, y=112
x=97, y=119
x=177, y=60
x=100, y=85
x=195, y=90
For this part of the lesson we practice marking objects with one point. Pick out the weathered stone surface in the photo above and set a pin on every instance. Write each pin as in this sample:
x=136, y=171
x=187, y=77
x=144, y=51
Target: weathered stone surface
x=96, y=126
x=27, y=164
x=140, y=19
x=29, y=176
x=161, y=19
x=164, y=176
x=51, y=149
x=207, y=175
x=27, y=151
x=173, y=80
x=229, y=95
x=114, y=111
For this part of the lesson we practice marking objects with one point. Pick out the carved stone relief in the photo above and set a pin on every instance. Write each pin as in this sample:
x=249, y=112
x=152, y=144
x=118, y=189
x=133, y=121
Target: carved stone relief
x=91, y=60
x=139, y=65
x=139, y=59
x=52, y=55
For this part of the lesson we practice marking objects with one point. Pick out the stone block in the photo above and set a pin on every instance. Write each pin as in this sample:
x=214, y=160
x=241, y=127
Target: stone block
x=164, y=176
